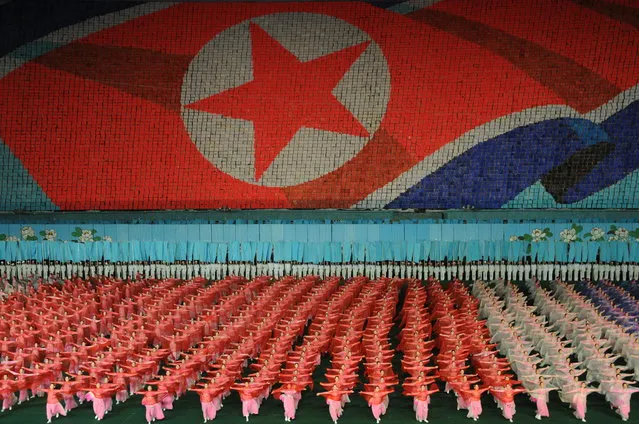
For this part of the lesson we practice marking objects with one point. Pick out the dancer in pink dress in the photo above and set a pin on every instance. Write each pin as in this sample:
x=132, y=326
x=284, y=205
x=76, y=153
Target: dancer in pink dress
x=152, y=404
x=539, y=395
x=376, y=400
x=506, y=399
x=421, y=400
x=68, y=390
x=621, y=399
x=472, y=398
x=54, y=407
x=578, y=399
x=210, y=400
x=100, y=396
x=7, y=392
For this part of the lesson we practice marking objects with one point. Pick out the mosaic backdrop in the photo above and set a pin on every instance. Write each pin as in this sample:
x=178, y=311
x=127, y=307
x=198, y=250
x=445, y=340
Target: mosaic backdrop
x=417, y=104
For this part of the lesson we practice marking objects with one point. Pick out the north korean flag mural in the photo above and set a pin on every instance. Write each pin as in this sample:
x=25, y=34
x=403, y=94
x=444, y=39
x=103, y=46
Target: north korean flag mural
x=417, y=104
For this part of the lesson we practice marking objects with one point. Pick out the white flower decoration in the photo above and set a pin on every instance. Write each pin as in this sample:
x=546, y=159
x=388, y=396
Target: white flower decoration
x=107, y=238
x=568, y=235
x=27, y=232
x=537, y=235
x=597, y=233
x=622, y=234
x=87, y=236
x=12, y=238
x=50, y=234
x=613, y=238
x=513, y=238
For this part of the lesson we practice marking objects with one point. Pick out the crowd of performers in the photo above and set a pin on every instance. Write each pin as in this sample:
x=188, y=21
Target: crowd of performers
x=102, y=340
x=446, y=270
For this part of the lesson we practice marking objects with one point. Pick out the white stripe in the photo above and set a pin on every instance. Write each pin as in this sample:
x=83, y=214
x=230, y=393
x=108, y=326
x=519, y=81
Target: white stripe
x=80, y=30
x=381, y=197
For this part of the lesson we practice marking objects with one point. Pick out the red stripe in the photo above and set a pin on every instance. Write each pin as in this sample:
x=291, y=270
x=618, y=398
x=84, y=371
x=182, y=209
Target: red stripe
x=90, y=152
x=577, y=85
x=603, y=45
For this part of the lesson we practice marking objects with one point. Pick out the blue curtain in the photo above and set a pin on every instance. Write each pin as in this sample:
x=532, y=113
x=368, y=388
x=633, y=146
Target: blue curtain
x=334, y=252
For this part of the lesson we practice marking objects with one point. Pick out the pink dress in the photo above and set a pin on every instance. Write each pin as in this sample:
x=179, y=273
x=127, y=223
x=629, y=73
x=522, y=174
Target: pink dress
x=54, y=407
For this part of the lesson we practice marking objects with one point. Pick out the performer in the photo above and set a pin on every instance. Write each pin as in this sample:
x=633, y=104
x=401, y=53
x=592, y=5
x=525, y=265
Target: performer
x=54, y=407
x=377, y=400
x=577, y=397
x=539, y=395
x=100, y=395
x=621, y=399
x=421, y=400
x=210, y=398
x=472, y=398
x=152, y=404
x=68, y=390
x=334, y=401
x=7, y=390
x=506, y=399
x=249, y=393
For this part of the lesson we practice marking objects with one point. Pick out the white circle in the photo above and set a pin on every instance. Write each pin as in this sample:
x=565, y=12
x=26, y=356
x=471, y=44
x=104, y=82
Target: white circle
x=225, y=62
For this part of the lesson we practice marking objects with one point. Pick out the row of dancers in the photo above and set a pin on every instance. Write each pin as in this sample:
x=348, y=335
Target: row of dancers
x=346, y=351
x=589, y=338
x=416, y=345
x=103, y=338
x=462, y=338
x=612, y=302
x=440, y=270
x=616, y=338
x=519, y=333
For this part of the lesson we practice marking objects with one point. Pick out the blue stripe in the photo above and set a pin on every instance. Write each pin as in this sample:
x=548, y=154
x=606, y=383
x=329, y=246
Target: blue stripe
x=623, y=129
x=493, y=173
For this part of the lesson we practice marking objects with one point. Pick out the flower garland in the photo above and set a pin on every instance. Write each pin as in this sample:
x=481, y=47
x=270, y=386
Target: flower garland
x=27, y=233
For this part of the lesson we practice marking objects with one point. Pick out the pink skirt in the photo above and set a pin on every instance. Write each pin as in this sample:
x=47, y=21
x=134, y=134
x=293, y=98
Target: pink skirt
x=508, y=410
x=580, y=409
x=461, y=402
x=8, y=401
x=249, y=407
x=624, y=409
x=55, y=409
x=98, y=406
x=421, y=410
x=474, y=408
x=289, y=405
x=208, y=410
x=377, y=410
x=334, y=408
x=69, y=402
x=122, y=396
x=542, y=408
x=153, y=412
x=167, y=402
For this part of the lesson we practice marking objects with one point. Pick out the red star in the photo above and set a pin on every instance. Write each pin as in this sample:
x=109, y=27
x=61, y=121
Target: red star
x=286, y=95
